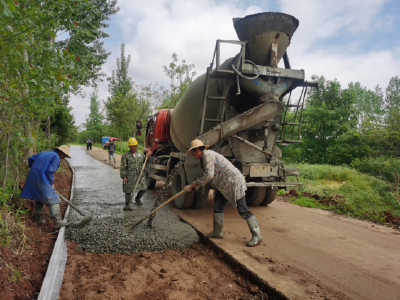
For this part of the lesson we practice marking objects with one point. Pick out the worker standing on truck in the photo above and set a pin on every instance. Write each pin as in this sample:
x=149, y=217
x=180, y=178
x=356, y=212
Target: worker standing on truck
x=111, y=150
x=39, y=185
x=131, y=165
x=230, y=186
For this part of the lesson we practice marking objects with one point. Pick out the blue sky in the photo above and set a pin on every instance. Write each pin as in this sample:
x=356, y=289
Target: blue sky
x=350, y=40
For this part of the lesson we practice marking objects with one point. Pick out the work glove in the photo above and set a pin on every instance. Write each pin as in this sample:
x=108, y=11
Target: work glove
x=188, y=188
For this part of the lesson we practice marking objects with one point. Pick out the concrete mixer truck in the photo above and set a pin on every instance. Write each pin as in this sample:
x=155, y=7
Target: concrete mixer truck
x=239, y=109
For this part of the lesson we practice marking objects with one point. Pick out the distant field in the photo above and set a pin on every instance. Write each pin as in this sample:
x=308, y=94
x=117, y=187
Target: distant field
x=364, y=196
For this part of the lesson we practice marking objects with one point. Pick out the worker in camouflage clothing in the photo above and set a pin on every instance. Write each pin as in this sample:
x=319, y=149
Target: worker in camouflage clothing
x=131, y=165
x=230, y=186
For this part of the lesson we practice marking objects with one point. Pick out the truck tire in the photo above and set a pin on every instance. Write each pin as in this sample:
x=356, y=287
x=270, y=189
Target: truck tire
x=200, y=199
x=151, y=183
x=255, y=195
x=270, y=196
x=178, y=184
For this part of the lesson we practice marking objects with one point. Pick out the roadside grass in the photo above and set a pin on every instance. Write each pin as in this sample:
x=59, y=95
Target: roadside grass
x=345, y=191
x=12, y=229
x=13, y=236
x=125, y=147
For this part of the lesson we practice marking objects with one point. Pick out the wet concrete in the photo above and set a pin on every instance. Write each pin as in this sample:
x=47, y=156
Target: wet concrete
x=98, y=192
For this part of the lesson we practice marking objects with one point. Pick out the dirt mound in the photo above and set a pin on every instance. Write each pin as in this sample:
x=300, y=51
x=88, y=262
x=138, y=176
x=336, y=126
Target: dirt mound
x=332, y=200
x=191, y=273
x=391, y=219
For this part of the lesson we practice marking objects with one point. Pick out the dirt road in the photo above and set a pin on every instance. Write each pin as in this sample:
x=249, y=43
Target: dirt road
x=311, y=253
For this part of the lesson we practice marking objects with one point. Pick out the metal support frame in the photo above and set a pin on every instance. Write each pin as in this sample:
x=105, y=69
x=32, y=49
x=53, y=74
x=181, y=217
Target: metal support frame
x=245, y=68
x=217, y=73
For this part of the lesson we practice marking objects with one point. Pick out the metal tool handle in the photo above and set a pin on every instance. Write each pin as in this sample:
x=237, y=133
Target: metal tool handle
x=137, y=182
x=72, y=205
x=128, y=228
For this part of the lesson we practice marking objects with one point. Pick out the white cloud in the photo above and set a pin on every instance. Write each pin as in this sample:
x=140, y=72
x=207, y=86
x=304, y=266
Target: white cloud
x=153, y=30
x=370, y=69
x=320, y=19
x=354, y=19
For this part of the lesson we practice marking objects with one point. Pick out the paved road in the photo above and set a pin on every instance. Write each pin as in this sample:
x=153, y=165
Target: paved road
x=98, y=192
x=312, y=253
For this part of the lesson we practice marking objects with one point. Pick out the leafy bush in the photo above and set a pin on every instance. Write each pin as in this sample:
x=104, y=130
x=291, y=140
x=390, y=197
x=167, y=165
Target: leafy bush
x=384, y=168
x=346, y=148
x=366, y=197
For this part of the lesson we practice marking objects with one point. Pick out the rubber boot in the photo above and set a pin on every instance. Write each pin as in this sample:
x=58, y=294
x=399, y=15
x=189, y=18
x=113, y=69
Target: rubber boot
x=139, y=196
x=218, y=225
x=38, y=216
x=55, y=215
x=255, y=232
x=38, y=219
x=127, y=199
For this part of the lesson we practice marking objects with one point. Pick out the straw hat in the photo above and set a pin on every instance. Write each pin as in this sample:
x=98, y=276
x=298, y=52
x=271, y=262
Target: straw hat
x=64, y=149
x=196, y=144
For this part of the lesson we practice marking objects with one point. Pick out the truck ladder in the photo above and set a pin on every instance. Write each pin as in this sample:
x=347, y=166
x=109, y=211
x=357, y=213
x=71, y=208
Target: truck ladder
x=296, y=120
x=217, y=74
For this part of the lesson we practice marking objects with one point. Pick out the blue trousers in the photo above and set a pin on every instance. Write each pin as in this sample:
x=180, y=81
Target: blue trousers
x=220, y=202
x=111, y=154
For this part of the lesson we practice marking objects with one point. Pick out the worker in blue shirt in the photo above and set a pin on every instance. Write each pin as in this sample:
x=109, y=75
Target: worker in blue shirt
x=39, y=185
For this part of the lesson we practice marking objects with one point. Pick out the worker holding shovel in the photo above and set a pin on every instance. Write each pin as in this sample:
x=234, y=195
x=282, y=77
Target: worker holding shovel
x=39, y=185
x=230, y=187
x=132, y=163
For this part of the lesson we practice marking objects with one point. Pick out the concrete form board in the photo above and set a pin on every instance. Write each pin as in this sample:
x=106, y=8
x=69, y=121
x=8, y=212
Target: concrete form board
x=52, y=281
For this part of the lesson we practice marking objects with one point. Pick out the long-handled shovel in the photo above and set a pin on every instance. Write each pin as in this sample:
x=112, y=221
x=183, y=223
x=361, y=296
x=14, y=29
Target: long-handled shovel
x=86, y=219
x=130, y=227
x=137, y=182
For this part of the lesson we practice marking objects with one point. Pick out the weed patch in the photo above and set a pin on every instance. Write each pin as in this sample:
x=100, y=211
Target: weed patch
x=345, y=191
x=12, y=230
x=14, y=274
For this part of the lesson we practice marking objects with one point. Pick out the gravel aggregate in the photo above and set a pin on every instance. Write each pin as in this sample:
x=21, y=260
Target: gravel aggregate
x=98, y=192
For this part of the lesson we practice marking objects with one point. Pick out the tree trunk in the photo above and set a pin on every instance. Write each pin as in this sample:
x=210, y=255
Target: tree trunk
x=28, y=129
x=48, y=133
x=120, y=140
x=7, y=150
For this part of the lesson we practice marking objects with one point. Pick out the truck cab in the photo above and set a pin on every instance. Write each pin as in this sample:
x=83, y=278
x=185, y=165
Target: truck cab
x=158, y=131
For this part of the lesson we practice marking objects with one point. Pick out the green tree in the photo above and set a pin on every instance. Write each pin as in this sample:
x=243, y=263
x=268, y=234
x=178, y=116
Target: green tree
x=393, y=93
x=47, y=50
x=181, y=76
x=94, y=122
x=120, y=86
x=369, y=105
x=346, y=148
x=392, y=100
x=329, y=113
x=63, y=123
